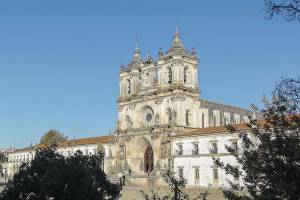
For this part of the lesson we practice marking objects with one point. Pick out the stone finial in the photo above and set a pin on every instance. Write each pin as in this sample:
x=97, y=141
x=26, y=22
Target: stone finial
x=137, y=54
x=160, y=53
x=176, y=40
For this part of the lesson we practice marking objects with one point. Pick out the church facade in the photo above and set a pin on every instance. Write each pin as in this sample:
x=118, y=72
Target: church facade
x=163, y=123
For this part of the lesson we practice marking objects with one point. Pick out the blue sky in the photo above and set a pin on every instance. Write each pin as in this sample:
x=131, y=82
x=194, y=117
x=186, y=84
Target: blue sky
x=59, y=60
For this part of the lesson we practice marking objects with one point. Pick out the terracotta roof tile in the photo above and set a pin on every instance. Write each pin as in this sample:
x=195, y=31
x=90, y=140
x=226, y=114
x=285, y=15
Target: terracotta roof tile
x=212, y=130
x=91, y=140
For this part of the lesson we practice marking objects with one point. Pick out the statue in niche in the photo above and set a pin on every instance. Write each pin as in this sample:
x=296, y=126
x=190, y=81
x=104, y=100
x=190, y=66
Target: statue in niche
x=128, y=122
x=147, y=79
x=165, y=149
x=156, y=119
x=157, y=165
x=173, y=116
x=142, y=166
x=122, y=151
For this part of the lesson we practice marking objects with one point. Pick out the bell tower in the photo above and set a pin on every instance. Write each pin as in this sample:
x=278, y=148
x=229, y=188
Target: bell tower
x=154, y=92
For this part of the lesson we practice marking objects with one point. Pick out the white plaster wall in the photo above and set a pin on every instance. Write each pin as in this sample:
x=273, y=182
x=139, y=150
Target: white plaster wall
x=203, y=161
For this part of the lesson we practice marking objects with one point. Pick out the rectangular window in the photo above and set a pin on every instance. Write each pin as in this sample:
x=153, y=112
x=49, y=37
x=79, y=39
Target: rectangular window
x=234, y=145
x=215, y=121
x=197, y=175
x=237, y=176
x=214, y=148
x=180, y=172
x=215, y=173
x=202, y=120
x=195, y=150
x=179, y=149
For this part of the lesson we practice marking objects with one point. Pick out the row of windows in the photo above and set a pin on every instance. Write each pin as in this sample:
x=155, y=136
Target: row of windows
x=21, y=158
x=212, y=150
x=29, y=157
x=170, y=79
x=215, y=173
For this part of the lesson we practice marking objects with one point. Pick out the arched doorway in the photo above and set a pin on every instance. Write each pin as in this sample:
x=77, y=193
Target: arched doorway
x=148, y=160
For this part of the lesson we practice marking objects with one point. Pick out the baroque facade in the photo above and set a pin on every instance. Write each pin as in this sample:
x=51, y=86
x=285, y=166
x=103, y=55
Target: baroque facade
x=163, y=123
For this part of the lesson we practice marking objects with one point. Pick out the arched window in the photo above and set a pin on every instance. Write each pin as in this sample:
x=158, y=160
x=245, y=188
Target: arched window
x=128, y=86
x=185, y=74
x=215, y=121
x=169, y=114
x=170, y=75
x=187, y=117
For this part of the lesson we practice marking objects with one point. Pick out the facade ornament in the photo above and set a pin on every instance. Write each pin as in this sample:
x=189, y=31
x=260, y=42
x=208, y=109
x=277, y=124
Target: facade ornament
x=159, y=100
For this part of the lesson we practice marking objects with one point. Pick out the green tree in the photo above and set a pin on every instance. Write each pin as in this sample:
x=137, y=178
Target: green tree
x=288, y=9
x=3, y=158
x=269, y=157
x=177, y=187
x=52, y=138
x=52, y=176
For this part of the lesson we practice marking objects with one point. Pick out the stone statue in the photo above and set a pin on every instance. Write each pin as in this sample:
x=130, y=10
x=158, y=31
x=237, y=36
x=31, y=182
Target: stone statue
x=173, y=114
x=156, y=119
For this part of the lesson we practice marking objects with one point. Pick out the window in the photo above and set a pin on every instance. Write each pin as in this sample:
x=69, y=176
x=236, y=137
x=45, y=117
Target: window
x=234, y=145
x=195, y=150
x=202, y=120
x=179, y=149
x=215, y=173
x=225, y=121
x=170, y=75
x=215, y=121
x=128, y=87
x=185, y=74
x=197, y=175
x=180, y=172
x=187, y=117
x=214, y=148
x=169, y=113
x=236, y=177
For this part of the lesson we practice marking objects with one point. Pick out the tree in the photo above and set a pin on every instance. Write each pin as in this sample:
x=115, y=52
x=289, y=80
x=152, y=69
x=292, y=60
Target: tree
x=269, y=157
x=52, y=176
x=52, y=138
x=177, y=187
x=3, y=159
x=288, y=9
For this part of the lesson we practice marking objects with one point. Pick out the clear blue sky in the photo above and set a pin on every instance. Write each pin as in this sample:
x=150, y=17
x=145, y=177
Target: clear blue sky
x=59, y=60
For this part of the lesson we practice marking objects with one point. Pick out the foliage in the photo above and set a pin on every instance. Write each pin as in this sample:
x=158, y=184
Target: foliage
x=288, y=9
x=52, y=176
x=176, y=185
x=269, y=157
x=52, y=138
x=3, y=158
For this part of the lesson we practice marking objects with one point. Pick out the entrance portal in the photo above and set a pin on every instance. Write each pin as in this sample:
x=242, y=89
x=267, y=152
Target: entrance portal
x=148, y=160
